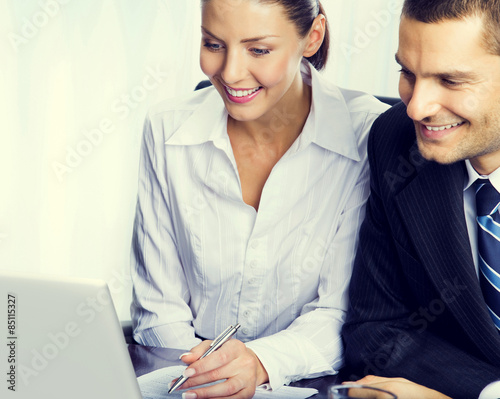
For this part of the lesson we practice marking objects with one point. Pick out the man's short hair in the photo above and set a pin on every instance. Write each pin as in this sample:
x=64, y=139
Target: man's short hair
x=434, y=11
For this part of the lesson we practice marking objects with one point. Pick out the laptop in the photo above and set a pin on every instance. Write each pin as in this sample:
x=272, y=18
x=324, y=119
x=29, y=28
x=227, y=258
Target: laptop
x=61, y=338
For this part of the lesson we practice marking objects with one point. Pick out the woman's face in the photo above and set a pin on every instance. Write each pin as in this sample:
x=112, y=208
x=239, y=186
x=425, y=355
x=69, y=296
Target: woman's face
x=251, y=52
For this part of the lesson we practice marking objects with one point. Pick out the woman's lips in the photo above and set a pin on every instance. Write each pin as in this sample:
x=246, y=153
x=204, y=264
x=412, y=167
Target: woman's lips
x=241, y=96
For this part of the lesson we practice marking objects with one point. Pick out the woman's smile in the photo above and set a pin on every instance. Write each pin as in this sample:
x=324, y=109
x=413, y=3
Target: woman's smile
x=241, y=96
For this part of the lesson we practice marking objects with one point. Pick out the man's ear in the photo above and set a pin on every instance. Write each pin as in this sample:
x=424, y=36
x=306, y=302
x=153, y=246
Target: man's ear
x=315, y=36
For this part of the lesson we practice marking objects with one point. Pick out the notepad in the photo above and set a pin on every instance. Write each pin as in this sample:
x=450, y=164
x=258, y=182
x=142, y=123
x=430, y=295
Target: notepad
x=154, y=385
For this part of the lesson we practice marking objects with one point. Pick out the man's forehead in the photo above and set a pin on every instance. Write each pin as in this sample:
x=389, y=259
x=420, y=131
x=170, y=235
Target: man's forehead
x=447, y=34
x=446, y=46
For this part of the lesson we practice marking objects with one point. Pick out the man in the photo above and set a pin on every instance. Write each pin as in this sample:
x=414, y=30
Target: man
x=425, y=290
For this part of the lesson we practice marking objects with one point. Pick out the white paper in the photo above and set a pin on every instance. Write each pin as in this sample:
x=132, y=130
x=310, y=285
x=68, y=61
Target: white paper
x=154, y=385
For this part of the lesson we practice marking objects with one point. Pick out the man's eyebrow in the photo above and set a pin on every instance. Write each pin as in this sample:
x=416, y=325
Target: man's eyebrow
x=449, y=75
x=457, y=75
x=249, y=40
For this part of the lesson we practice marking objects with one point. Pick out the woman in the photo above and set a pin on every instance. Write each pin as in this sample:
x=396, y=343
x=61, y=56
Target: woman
x=249, y=207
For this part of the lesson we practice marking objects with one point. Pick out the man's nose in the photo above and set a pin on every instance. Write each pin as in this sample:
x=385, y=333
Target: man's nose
x=423, y=101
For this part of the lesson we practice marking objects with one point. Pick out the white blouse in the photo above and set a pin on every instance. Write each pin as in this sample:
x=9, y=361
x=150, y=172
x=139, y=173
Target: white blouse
x=203, y=259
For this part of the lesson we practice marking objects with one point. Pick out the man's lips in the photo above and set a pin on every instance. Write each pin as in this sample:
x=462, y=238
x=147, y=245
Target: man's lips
x=442, y=127
x=434, y=132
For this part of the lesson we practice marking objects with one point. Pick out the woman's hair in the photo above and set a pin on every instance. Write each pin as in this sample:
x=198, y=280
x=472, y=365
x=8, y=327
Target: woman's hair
x=302, y=13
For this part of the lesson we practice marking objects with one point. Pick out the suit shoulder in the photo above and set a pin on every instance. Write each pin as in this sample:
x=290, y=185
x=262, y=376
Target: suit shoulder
x=393, y=151
x=392, y=132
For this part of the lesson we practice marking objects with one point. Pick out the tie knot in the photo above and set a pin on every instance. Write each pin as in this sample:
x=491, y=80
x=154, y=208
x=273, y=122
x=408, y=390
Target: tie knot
x=487, y=197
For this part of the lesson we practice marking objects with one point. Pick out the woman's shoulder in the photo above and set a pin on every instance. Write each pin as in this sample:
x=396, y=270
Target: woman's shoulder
x=356, y=102
x=361, y=102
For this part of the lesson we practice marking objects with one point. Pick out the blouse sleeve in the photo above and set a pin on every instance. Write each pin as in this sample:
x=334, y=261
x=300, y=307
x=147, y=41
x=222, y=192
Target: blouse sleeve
x=160, y=312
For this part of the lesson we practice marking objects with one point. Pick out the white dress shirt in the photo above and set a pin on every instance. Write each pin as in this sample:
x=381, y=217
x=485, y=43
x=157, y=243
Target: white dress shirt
x=203, y=259
x=492, y=391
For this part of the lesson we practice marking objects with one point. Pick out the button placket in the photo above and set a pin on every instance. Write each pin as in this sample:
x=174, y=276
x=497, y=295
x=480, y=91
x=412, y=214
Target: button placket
x=251, y=287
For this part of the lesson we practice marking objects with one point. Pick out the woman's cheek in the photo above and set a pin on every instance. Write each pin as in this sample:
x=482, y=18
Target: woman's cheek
x=208, y=64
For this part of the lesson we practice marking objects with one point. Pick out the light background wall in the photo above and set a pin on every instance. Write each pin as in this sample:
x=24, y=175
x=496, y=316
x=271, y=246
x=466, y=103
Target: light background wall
x=76, y=79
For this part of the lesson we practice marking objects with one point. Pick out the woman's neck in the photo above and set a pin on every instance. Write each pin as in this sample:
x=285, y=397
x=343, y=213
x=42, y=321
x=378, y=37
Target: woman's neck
x=281, y=126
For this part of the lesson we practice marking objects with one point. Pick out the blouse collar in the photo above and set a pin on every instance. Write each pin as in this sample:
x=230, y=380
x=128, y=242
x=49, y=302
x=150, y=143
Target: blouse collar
x=328, y=125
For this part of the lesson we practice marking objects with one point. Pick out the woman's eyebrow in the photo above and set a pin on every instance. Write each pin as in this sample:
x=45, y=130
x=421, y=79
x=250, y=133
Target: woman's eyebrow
x=206, y=31
x=259, y=38
x=249, y=40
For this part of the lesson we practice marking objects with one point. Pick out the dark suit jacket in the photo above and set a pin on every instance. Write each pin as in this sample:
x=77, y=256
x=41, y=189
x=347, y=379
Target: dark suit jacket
x=416, y=309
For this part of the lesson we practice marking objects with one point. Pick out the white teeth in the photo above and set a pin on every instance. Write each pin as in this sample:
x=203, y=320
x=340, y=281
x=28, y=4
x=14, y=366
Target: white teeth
x=240, y=93
x=439, y=128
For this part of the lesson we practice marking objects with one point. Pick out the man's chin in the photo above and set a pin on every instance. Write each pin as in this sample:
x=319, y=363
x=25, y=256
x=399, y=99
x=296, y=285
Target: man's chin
x=432, y=152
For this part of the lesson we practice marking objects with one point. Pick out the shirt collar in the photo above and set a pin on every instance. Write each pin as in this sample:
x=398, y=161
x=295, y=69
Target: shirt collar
x=494, y=176
x=328, y=125
x=329, y=118
x=208, y=121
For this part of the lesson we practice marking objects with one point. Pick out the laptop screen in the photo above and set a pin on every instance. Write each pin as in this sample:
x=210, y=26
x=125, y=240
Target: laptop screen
x=62, y=339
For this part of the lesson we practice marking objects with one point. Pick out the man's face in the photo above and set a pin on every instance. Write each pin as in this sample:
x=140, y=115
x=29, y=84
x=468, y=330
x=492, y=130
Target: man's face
x=450, y=84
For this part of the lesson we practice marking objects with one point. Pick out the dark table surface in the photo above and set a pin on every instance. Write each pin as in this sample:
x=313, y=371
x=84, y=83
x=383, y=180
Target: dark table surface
x=146, y=359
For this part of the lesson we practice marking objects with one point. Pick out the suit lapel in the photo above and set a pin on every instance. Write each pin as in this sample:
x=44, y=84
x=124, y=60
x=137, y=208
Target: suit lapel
x=432, y=207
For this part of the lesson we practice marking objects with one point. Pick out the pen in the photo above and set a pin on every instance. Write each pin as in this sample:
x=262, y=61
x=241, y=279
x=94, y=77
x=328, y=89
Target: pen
x=216, y=344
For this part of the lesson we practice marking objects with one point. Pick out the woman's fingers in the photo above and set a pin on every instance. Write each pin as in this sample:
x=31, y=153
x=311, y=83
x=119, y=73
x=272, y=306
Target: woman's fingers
x=234, y=366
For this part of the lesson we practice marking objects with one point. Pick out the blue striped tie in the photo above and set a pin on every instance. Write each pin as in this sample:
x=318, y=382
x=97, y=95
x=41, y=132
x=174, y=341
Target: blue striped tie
x=488, y=240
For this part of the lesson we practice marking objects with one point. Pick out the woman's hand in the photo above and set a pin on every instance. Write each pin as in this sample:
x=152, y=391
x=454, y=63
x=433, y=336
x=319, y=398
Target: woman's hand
x=233, y=362
x=402, y=388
